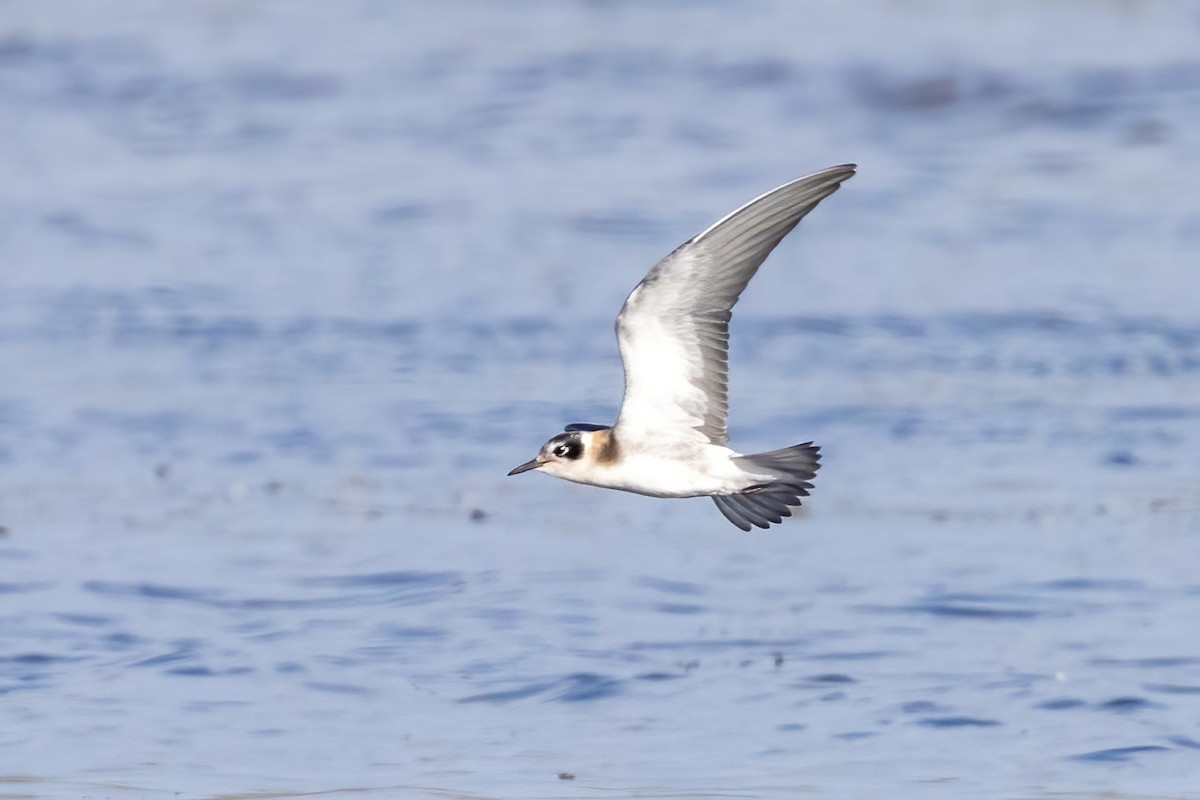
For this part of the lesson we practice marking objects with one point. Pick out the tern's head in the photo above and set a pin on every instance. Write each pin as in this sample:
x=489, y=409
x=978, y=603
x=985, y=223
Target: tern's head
x=572, y=454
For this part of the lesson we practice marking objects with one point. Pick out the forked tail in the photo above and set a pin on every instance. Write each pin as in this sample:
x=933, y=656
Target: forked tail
x=764, y=503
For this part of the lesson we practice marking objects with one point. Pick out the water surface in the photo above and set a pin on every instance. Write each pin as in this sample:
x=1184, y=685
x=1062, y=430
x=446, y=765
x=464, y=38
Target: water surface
x=286, y=288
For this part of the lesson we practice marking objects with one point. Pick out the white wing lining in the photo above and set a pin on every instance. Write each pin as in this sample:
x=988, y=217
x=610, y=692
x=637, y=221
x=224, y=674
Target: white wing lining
x=673, y=330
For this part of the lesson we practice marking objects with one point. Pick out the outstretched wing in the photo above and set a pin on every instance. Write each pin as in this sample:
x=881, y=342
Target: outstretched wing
x=674, y=327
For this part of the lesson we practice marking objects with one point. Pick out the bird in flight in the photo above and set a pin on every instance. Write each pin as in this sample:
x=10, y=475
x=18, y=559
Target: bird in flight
x=673, y=331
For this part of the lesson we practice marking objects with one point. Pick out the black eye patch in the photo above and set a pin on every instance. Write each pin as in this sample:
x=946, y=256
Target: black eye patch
x=568, y=448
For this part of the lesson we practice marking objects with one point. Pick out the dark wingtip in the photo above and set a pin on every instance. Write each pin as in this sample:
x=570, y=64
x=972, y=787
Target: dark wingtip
x=727, y=510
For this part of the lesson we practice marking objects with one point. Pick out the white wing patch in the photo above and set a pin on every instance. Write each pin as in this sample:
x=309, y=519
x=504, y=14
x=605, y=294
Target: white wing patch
x=676, y=368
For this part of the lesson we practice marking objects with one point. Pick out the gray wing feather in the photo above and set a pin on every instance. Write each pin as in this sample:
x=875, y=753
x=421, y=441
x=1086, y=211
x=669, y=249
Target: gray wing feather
x=673, y=330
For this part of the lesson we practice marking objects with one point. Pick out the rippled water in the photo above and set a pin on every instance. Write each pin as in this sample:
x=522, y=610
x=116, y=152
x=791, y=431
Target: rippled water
x=286, y=288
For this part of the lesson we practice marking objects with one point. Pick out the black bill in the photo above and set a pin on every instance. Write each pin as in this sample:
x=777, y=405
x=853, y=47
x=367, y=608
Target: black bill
x=528, y=465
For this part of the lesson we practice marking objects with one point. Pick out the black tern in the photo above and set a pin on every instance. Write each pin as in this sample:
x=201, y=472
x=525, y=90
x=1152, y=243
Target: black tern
x=673, y=331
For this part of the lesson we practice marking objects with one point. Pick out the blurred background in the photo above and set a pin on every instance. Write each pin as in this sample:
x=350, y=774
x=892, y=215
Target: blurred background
x=287, y=287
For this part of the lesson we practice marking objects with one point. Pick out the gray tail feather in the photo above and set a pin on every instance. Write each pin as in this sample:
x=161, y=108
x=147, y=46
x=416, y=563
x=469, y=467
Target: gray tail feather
x=770, y=502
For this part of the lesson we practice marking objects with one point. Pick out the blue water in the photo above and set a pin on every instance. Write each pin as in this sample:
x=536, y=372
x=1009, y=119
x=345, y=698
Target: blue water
x=286, y=288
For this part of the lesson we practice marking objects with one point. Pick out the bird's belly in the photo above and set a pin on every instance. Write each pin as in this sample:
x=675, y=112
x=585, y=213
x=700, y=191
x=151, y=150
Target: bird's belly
x=667, y=477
